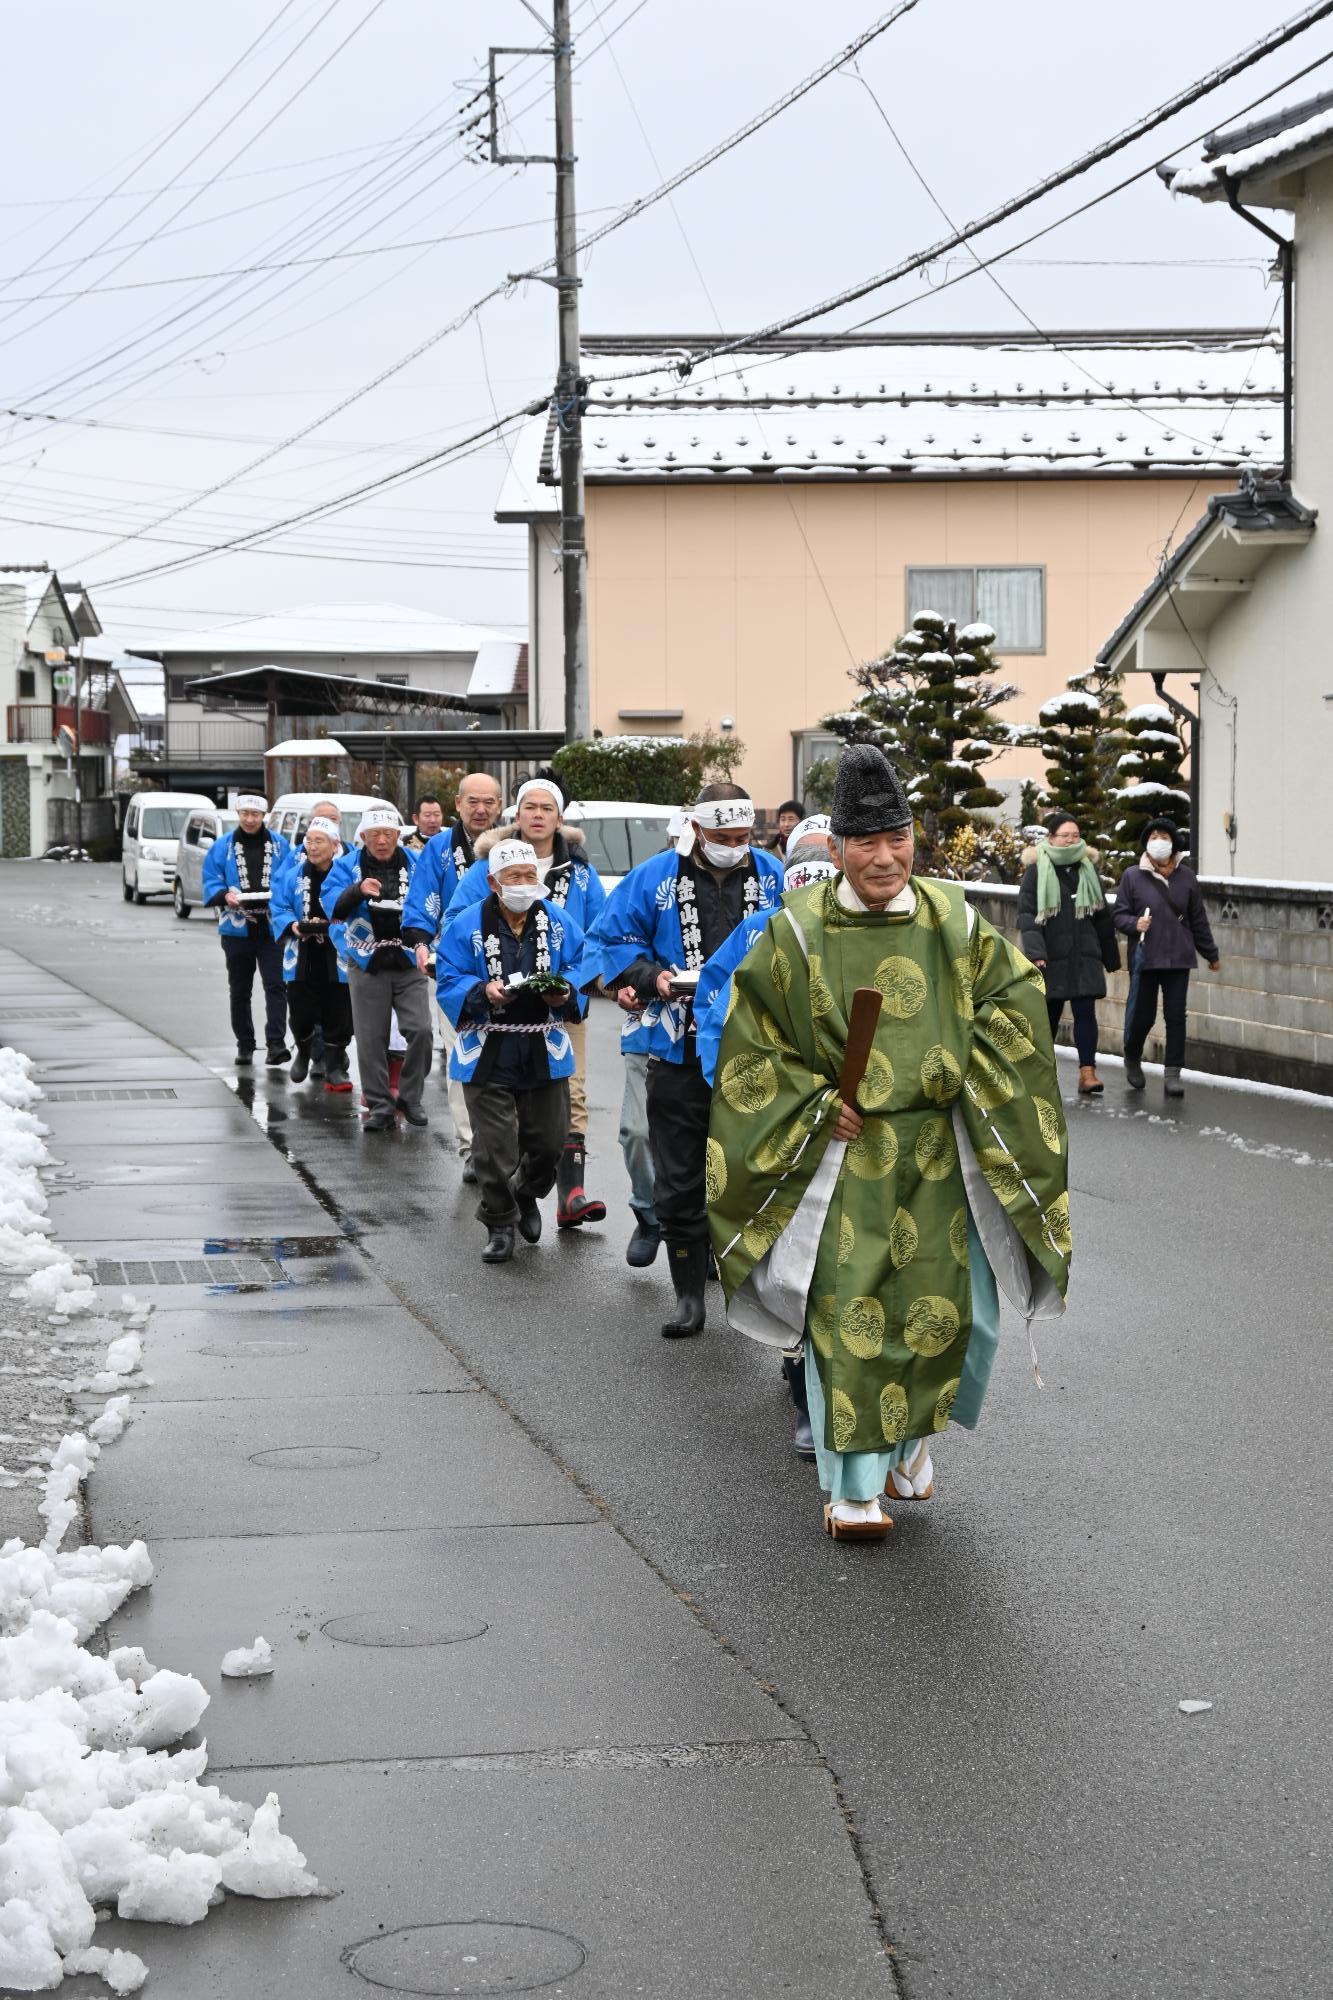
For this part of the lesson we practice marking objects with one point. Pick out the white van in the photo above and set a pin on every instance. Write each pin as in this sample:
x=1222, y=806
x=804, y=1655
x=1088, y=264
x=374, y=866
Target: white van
x=290, y=815
x=618, y=833
x=202, y=827
x=153, y=822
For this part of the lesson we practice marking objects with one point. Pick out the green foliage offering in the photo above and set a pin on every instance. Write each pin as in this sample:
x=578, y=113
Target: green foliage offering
x=656, y=770
x=1068, y=729
x=929, y=704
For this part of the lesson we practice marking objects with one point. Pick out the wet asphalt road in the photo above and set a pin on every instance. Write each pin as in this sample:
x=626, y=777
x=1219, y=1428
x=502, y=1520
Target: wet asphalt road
x=995, y=1688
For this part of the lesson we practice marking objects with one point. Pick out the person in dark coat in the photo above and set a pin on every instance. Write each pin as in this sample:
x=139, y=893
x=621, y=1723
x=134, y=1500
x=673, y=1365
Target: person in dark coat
x=1160, y=903
x=1066, y=928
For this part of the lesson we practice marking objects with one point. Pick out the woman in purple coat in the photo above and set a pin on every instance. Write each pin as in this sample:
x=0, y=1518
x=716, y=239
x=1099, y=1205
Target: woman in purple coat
x=1160, y=903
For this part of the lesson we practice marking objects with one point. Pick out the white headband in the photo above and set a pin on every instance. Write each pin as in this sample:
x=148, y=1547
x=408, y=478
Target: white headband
x=328, y=827
x=511, y=854
x=805, y=872
x=677, y=823
x=251, y=802
x=723, y=815
x=376, y=816
x=540, y=785
x=816, y=823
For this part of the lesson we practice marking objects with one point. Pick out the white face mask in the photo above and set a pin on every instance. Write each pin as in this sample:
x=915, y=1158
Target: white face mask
x=719, y=856
x=1159, y=850
x=520, y=896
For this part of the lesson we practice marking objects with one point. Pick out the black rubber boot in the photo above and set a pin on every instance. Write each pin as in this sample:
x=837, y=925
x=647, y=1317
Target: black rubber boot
x=1134, y=1076
x=688, y=1264
x=499, y=1245
x=574, y=1206
x=337, y=1076
x=529, y=1218
x=803, y=1442
x=300, y=1069
x=278, y=1057
x=643, y=1244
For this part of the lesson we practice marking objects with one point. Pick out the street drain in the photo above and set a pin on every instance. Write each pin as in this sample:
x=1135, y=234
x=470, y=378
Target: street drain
x=128, y=1094
x=474, y=1956
x=313, y=1457
x=190, y=1271
x=369, y=1628
x=253, y=1350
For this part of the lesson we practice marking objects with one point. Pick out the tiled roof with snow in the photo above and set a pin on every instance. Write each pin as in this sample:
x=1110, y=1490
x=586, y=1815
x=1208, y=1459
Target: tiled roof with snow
x=499, y=668
x=933, y=407
x=1272, y=147
x=330, y=630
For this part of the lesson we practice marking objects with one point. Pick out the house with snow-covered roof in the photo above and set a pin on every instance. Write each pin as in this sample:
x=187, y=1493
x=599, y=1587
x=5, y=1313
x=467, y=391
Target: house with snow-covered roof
x=761, y=522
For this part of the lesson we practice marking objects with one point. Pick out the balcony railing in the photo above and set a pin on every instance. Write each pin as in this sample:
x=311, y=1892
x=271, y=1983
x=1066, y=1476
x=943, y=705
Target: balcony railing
x=193, y=742
x=37, y=722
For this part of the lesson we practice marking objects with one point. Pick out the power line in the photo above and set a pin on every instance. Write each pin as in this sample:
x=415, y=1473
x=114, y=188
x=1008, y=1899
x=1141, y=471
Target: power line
x=1107, y=149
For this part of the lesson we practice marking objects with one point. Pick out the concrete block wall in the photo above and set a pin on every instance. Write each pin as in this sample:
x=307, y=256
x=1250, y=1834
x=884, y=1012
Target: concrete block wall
x=1268, y=1014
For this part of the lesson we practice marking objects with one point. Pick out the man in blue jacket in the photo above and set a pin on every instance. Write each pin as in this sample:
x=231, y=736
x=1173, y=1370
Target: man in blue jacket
x=366, y=890
x=240, y=874
x=658, y=928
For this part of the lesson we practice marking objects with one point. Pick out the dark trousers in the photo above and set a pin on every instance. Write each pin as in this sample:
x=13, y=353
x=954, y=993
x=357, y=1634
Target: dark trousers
x=678, y=1105
x=1084, y=1011
x=327, y=1007
x=517, y=1137
x=261, y=953
x=1173, y=985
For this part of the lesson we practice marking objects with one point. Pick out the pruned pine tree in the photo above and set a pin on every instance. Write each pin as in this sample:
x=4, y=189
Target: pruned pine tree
x=1068, y=728
x=929, y=704
x=1151, y=786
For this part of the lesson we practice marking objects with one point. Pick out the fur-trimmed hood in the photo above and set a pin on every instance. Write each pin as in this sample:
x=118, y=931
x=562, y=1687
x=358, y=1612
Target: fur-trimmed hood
x=571, y=835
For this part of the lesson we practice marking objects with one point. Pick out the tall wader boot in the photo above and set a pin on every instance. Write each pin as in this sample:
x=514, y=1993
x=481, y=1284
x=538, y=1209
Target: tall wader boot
x=300, y=1068
x=573, y=1206
x=688, y=1265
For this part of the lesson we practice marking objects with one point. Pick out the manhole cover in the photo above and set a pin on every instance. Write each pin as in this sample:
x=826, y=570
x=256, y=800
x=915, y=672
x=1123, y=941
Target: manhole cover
x=253, y=1350
x=127, y=1095
x=313, y=1457
x=377, y=1628
x=469, y=1957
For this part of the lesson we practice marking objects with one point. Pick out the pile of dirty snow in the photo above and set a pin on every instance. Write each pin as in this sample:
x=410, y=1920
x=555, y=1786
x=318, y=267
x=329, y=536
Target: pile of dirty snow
x=98, y=1814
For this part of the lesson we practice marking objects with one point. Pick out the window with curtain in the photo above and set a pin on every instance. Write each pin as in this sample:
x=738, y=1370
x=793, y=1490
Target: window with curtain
x=1010, y=598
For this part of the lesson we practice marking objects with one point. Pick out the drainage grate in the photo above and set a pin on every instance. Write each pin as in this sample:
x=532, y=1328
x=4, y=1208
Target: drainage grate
x=125, y=1096
x=44, y=1013
x=191, y=1271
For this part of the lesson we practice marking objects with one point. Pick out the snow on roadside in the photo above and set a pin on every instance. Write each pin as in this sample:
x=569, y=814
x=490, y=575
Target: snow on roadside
x=98, y=1813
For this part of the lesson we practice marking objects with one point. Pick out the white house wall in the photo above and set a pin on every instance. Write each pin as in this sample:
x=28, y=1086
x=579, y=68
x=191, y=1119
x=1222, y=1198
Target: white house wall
x=546, y=660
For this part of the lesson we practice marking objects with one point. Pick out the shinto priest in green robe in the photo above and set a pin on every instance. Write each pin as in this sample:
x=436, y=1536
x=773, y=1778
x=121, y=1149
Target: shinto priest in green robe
x=885, y=1251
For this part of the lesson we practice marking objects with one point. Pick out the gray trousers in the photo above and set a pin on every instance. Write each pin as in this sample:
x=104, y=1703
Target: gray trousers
x=517, y=1138
x=634, y=1144
x=399, y=989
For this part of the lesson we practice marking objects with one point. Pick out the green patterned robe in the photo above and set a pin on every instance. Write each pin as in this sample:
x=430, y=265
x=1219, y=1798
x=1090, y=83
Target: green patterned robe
x=963, y=1041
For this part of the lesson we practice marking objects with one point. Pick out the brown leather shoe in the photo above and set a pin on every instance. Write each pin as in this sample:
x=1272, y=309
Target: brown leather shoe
x=1089, y=1083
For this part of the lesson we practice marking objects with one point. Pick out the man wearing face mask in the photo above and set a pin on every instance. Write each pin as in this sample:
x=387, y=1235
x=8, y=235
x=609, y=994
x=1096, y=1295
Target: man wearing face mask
x=508, y=973
x=659, y=926
x=1159, y=903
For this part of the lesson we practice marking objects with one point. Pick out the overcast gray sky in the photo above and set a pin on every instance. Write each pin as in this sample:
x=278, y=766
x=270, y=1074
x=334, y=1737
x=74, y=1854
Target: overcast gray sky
x=163, y=390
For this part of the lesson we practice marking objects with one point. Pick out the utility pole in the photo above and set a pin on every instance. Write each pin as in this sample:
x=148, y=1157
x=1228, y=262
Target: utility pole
x=570, y=387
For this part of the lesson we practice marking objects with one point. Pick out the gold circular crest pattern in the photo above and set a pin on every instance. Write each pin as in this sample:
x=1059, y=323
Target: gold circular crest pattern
x=1057, y=1221
x=749, y=1082
x=781, y=968
x=774, y=1036
x=893, y=1412
x=944, y=1403
x=846, y=1238
x=904, y=1239
x=844, y=1420
x=876, y=1086
x=902, y=986
x=931, y=1325
x=941, y=1077
x=824, y=1323
x=763, y=1230
x=989, y=1085
x=936, y=1150
x=1011, y=1034
x=874, y=1154
x=958, y=1237
x=960, y=982
x=937, y=898
x=1048, y=1123
x=1002, y=1173
x=821, y=993
x=715, y=1171
x=861, y=1328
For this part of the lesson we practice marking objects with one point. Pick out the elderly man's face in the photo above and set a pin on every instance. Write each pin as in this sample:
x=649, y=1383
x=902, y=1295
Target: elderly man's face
x=429, y=818
x=381, y=841
x=518, y=871
x=320, y=848
x=537, y=818
x=478, y=804
x=325, y=809
x=878, y=865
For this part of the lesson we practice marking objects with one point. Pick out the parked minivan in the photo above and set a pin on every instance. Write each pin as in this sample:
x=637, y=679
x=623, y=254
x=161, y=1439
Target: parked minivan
x=202, y=827
x=290, y=815
x=153, y=822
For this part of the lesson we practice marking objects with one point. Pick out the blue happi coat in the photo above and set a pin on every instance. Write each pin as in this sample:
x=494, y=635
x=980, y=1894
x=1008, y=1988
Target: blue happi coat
x=435, y=880
x=712, y=995
x=358, y=933
x=461, y=968
x=572, y=884
x=221, y=873
x=641, y=919
x=295, y=900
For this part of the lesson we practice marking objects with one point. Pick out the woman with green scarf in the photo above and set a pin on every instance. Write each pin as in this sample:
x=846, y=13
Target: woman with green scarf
x=1067, y=930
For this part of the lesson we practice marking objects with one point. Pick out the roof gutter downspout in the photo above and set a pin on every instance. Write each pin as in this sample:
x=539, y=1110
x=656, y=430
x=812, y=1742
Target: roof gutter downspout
x=1286, y=259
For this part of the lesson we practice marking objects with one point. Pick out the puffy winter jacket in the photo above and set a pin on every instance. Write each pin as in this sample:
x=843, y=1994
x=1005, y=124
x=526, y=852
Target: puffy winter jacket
x=1078, y=951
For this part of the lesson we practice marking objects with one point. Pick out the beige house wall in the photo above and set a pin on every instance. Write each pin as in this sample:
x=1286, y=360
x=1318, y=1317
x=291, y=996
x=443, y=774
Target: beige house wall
x=753, y=601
